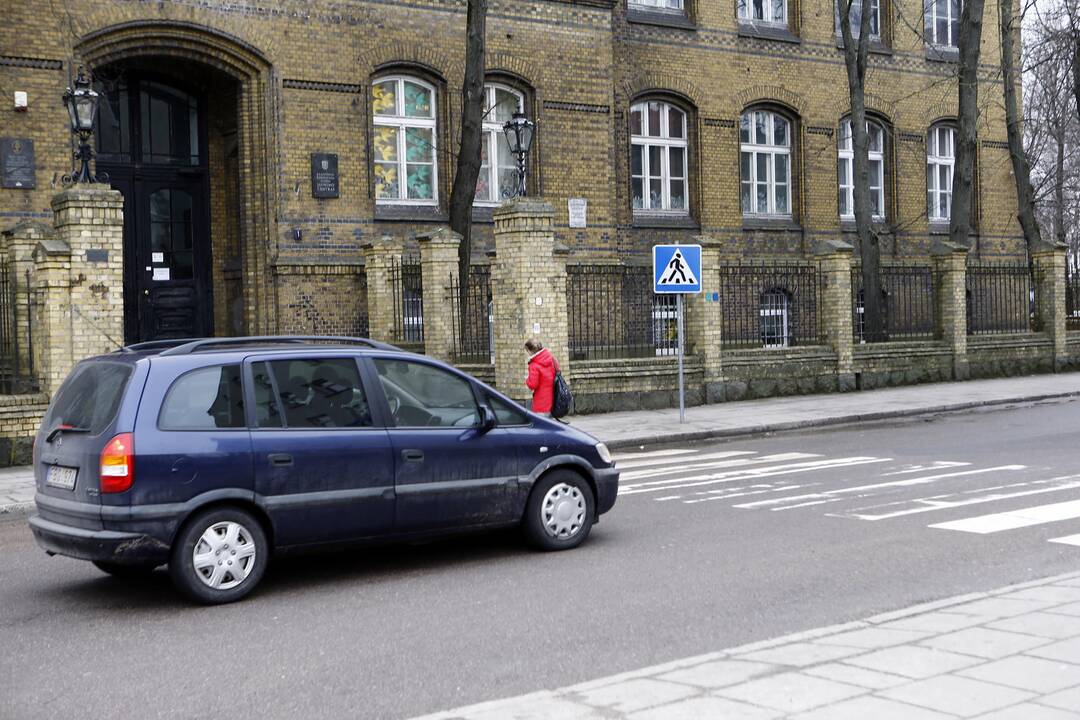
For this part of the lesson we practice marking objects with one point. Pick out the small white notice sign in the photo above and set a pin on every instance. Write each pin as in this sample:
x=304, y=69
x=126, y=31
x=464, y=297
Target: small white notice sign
x=161, y=273
x=579, y=211
x=157, y=257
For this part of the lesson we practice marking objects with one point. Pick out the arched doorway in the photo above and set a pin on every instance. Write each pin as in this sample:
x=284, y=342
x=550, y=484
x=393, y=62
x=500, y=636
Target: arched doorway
x=152, y=141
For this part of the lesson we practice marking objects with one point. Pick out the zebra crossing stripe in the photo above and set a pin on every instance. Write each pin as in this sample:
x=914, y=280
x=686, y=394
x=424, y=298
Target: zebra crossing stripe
x=1067, y=540
x=937, y=503
x=697, y=467
x=1014, y=519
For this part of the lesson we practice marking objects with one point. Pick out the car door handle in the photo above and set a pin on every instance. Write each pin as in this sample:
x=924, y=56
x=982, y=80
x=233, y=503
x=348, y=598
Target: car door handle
x=412, y=455
x=280, y=459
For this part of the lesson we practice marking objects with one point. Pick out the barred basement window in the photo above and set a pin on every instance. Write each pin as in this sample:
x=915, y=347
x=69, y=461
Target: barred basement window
x=940, y=155
x=658, y=157
x=404, y=141
x=498, y=169
x=775, y=311
x=765, y=163
x=846, y=170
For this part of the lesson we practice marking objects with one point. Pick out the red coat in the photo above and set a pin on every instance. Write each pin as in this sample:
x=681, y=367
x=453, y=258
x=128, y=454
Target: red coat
x=541, y=380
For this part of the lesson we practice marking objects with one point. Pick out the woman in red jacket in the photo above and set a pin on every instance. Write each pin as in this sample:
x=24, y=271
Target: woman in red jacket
x=541, y=380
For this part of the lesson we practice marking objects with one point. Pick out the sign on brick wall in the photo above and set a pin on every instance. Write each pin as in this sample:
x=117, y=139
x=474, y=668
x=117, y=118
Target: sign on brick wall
x=324, y=175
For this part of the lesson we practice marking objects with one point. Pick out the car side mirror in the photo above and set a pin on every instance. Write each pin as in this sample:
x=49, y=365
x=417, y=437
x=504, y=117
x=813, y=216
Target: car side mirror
x=487, y=418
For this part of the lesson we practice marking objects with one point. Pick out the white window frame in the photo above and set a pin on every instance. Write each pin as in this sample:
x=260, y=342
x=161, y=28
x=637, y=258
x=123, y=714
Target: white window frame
x=942, y=9
x=875, y=10
x=661, y=5
x=936, y=159
x=768, y=12
x=665, y=142
x=769, y=309
x=491, y=131
x=773, y=151
x=846, y=157
x=400, y=122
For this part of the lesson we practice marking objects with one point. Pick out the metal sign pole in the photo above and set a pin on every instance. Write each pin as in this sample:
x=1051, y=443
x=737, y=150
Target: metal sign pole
x=682, y=397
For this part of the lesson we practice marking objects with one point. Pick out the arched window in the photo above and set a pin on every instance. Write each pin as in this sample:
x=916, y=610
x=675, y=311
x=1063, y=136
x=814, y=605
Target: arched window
x=775, y=315
x=943, y=23
x=658, y=157
x=846, y=170
x=940, y=156
x=765, y=163
x=403, y=149
x=498, y=169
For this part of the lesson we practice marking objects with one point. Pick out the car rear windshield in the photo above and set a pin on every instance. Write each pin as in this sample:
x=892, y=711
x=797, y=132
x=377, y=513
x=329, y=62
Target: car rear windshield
x=89, y=398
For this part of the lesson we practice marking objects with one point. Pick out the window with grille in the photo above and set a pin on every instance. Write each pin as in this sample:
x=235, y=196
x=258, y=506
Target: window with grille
x=775, y=314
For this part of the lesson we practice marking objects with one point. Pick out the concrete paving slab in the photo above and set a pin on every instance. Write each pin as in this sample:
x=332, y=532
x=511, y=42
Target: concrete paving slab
x=875, y=708
x=870, y=679
x=1045, y=624
x=706, y=708
x=985, y=643
x=956, y=695
x=1064, y=700
x=996, y=607
x=1066, y=650
x=873, y=638
x=1029, y=711
x=1027, y=673
x=1049, y=593
x=801, y=654
x=936, y=622
x=913, y=662
x=718, y=673
x=634, y=695
x=1070, y=609
x=791, y=692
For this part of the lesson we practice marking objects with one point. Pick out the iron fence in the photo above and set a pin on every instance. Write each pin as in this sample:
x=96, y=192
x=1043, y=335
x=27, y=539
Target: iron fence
x=408, y=291
x=769, y=305
x=16, y=334
x=907, y=303
x=1001, y=298
x=473, y=336
x=363, y=326
x=613, y=313
x=1072, y=298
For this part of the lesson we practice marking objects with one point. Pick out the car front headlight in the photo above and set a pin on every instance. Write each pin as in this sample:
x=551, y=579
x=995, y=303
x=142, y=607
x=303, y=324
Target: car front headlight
x=604, y=453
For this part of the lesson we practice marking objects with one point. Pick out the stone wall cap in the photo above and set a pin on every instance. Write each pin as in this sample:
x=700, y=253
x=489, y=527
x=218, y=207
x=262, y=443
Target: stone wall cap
x=35, y=225
x=946, y=247
x=52, y=247
x=95, y=192
x=1046, y=246
x=443, y=234
x=832, y=246
x=525, y=205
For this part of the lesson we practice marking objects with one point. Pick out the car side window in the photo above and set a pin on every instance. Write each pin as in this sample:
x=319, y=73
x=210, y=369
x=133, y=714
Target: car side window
x=506, y=413
x=205, y=399
x=310, y=393
x=421, y=395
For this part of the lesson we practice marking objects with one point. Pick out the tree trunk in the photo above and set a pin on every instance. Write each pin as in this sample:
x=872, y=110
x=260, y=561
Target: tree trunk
x=468, y=160
x=971, y=20
x=856, y=51
x=1025, y=195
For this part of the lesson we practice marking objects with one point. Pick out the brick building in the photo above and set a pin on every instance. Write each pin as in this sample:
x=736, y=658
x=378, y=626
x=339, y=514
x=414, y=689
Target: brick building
x=671, y=118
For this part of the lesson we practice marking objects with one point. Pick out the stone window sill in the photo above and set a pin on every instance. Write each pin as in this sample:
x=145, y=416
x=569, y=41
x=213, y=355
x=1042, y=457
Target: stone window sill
x=410, y=213
x=940, y=53
x=877, y=47
x=655, y=220
x=483, y=213
x=878, y=224
x=781, y=33
x=770, y=223
x=938, y=227
x=648, y=16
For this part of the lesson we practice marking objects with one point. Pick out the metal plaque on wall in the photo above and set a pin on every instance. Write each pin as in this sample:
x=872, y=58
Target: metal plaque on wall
x=17, y=163
x=324, y=175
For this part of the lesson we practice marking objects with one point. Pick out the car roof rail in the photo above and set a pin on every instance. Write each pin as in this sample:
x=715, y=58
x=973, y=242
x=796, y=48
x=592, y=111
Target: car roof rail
x=155, y=345
x=208, y=343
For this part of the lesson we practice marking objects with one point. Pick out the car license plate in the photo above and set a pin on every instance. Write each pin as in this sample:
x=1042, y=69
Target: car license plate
x=61, y=477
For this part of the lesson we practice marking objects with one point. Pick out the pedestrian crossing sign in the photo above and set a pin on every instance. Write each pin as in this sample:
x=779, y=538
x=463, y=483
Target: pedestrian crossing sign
x=676, y=268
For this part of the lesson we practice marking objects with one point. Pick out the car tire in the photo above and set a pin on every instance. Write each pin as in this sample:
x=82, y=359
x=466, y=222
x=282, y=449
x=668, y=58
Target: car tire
x=560, y=511
x=122, y=571
x=219, y=556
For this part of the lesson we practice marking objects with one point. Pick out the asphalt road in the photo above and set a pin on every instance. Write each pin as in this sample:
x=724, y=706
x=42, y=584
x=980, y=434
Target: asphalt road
x=709, y=546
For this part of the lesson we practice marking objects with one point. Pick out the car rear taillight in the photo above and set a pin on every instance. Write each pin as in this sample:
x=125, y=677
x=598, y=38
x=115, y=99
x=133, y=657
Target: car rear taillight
x=118, y=464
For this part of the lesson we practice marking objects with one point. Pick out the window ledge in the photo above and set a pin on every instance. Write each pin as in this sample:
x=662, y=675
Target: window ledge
x=878, y=224
x=645, y=219
x=410, y=212
x=770, y=223
x=483, y=213
x=877, y=46
x=767, y=31
x=938, y=227
x=649, y=16
x=942, y=53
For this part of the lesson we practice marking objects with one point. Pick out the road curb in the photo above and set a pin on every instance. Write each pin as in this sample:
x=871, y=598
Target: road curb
x=749, y=430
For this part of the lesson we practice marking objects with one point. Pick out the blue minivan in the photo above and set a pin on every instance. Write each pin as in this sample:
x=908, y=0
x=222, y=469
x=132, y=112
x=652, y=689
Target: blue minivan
x=211, y=455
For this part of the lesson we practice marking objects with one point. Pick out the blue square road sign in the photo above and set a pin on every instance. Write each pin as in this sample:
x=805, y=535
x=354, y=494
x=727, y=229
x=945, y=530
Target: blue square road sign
x=676, y=268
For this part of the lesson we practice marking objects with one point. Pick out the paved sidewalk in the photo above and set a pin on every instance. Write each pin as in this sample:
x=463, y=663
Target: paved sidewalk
x=748, y=417
x=1010, y=654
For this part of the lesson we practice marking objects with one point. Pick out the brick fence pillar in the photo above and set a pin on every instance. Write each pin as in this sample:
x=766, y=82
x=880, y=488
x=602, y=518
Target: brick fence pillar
x=52, y=322
x=19, y=243
x=528, y=289
x=950, y=266
x=379, y=258
x=834, y=258
x=1049, y=262
x=438, y=261
x=704, y=320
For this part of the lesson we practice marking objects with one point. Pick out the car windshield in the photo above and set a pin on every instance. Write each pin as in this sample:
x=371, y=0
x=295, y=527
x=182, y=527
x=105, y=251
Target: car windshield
x=89, y=398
